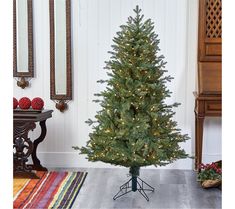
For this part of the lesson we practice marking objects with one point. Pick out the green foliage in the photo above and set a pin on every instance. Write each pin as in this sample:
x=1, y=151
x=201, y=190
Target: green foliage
x=135, y=126
x=210, y=172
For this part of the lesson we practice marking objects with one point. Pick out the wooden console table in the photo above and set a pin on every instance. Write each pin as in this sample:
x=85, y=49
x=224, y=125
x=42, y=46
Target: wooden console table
x=204, y=106
x=24, y=147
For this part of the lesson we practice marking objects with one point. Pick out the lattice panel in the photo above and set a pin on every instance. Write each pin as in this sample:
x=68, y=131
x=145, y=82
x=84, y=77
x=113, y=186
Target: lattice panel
x=214, y=18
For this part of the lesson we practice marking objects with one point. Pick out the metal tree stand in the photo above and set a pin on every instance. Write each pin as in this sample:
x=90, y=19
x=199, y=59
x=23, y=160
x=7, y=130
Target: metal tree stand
x=134, y=184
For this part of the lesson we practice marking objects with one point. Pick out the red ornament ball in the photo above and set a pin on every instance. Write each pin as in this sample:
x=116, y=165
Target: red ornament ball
x=24, y=103
x=37, y=103
x=15, y=103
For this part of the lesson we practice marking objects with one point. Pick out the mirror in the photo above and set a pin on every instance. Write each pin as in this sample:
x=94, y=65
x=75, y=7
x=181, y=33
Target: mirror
x=60, y=52
x=23, y=41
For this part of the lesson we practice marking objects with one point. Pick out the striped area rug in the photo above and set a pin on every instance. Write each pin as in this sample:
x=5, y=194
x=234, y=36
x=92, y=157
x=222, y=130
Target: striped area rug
x=52, y=190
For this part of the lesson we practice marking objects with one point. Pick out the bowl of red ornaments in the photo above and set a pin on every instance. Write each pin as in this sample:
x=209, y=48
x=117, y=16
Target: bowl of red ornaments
x=25, y=104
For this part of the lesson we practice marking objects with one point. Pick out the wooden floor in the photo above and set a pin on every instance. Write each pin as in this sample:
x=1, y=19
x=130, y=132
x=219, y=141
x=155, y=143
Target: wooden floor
x=175, y=189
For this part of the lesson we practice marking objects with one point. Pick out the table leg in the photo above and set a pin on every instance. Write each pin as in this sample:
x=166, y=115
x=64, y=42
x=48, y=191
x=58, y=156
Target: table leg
x=199, y=120
x=36, y=162
x=22, y=149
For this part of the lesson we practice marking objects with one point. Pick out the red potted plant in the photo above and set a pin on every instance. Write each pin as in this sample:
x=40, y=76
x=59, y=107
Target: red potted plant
x=210, y=174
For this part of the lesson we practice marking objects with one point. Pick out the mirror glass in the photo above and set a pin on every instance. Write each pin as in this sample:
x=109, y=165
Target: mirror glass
x=60, y=46
x=22, y=35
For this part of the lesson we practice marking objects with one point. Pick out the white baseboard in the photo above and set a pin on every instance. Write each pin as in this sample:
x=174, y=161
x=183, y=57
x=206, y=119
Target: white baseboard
x=73, y=159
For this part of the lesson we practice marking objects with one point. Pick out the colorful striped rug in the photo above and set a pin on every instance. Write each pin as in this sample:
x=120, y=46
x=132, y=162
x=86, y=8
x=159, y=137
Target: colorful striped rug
x=52, y=190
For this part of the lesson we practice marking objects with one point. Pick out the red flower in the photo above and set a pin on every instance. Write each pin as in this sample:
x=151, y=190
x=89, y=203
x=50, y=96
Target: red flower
x=213, y=166
x=207, y=166
x=201, y=166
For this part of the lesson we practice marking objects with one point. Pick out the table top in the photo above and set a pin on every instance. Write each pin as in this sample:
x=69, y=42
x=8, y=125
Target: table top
x=31, y=115
x=207, y=97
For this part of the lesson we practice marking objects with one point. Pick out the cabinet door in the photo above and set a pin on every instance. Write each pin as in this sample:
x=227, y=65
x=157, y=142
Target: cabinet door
x=210, y=30
x=209, y=74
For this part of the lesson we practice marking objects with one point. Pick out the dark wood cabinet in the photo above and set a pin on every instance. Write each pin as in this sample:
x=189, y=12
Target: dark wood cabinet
x=208, y=98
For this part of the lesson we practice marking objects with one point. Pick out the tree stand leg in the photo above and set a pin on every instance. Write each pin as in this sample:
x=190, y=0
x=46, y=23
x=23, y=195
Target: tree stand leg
x=134, y=184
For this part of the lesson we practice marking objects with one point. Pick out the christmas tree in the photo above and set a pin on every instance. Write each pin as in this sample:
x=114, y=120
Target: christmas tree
x=135, y=126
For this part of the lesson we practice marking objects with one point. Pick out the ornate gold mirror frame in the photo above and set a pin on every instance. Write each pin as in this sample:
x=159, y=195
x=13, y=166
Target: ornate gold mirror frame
x=23, y=66
x=60, y=53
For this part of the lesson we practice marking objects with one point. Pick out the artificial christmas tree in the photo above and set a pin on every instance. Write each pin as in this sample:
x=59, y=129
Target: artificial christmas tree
x=135, y=126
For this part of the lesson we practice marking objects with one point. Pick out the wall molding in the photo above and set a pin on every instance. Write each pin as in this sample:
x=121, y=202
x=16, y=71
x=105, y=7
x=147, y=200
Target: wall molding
x=73, y=159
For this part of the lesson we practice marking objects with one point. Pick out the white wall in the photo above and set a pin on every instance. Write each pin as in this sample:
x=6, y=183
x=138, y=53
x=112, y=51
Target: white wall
x=94, y=23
